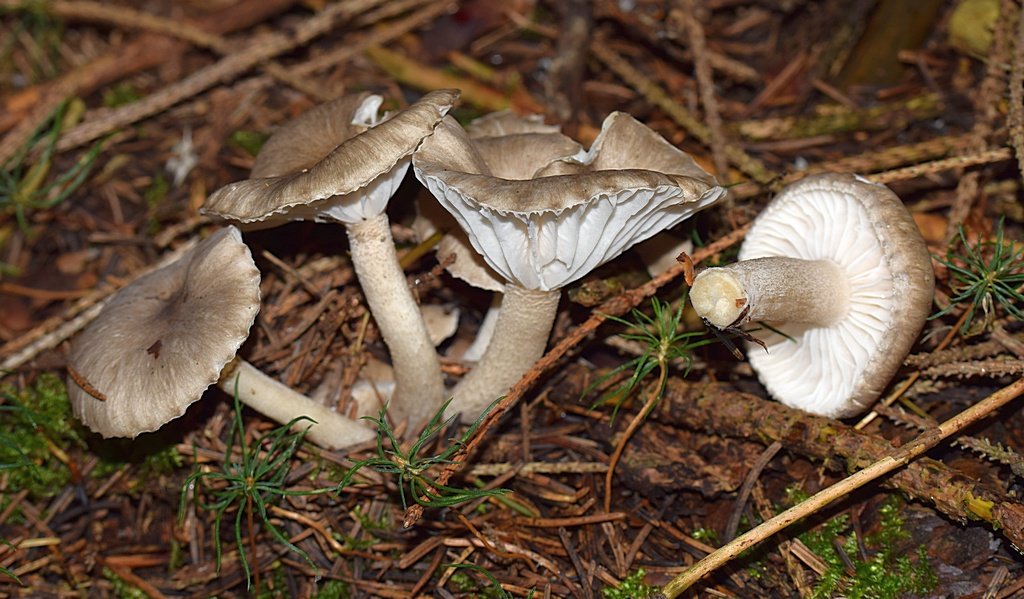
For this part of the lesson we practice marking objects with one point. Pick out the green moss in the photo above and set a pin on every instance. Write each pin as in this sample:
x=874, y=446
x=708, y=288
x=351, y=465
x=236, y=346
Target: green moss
x=705, y=535
x=120, y=94
x=333, y=589
x=250, y=141
x=121, y=588
x=884, y=574
x=982, y=508
x=631, y=587
x=35, y=424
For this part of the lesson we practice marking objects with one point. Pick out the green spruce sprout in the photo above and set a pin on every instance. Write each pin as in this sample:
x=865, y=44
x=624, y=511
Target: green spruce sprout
x=664, y=342
x=248, y=485
x=984, y=275
x=414, y=471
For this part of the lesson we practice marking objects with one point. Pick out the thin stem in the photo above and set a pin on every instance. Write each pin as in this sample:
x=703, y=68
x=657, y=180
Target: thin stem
x=520, y=336
x=419, y=384
x=634, y=424
x=252, y=538
x=899, y=458
x=283, y=404
x=773, y=289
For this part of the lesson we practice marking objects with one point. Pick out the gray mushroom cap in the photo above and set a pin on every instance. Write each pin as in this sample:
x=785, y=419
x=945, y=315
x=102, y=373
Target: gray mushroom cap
x=335, y=162
x=506, y=122
x=864, y=228
x=574, y=212
x=161, y=341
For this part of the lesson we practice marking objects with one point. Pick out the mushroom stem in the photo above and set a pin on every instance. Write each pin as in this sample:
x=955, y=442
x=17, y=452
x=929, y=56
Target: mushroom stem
x=419, y=385
x=520, y=336
x=484, y=333
x=283, y=404
x=773, y=289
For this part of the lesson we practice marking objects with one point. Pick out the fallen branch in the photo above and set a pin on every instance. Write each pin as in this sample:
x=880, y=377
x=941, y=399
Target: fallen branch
x=742, y=415
x=24, y=110
x=256, y=51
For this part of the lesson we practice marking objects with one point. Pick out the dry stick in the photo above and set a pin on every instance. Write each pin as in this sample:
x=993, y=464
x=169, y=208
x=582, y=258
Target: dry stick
x=729, y=413
x=897, y=155
x=377, y=37
x=910, y=380
x=687, y=13
x=993, y=452
x=733, y=524
x=986, y=105
x=256, y=51
x=30, y=107
x=911, y=172
x=1016, y=117
x=660, y=98
x=134, y=19
x=816, y=502
x=616, y=306
x=585, y=580
x=129, y=18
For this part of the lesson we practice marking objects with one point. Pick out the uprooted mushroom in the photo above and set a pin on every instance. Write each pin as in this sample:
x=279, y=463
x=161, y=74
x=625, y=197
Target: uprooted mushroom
x=838, y=268
x=340, y=162
x=162, y=340
x=543, y=214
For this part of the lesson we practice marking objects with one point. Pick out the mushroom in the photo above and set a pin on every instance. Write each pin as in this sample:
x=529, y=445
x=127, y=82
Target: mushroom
x=493, y=134
x=338, y=163
x=543, y=215
x=837, y=266
x=162, y=340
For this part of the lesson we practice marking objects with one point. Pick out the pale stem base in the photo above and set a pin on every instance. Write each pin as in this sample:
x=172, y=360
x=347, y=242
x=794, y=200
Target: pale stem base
x=419, y=384
x=283, y=404
x=520, y=336
x=772, y=289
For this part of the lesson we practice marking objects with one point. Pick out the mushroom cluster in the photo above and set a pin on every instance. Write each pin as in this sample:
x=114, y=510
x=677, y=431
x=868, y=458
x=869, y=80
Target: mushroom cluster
x=835, y=264
x=838, y=268
x=341, y=162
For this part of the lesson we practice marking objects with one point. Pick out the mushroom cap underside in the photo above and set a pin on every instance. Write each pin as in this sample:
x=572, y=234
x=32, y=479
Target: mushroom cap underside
x=576, y=212
x=863, y=227
x=162, y=340
x=549, y=250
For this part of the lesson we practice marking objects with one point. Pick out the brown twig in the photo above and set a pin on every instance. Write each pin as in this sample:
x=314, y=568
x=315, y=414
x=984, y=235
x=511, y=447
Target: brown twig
x=1015, y=118
x=688, y=13
x=656, y=95
x=733, y=524
x=256, y=51
x=896, y=460
x=25, y=110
